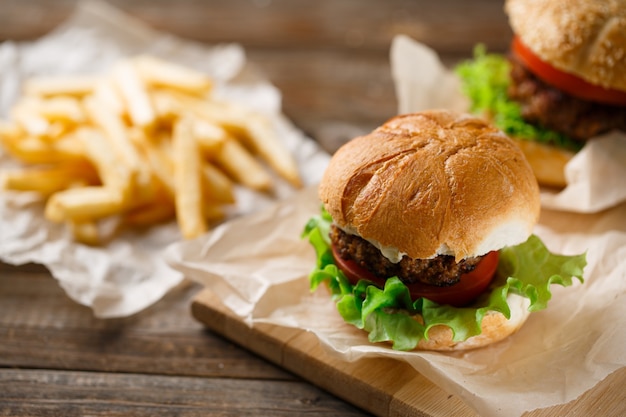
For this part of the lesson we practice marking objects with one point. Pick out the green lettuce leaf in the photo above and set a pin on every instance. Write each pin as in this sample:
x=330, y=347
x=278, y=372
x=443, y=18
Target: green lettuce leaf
x=386, y=313
x=485, y=80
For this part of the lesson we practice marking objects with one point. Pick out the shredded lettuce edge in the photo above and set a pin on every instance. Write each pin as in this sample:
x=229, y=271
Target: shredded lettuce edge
x=389, y=314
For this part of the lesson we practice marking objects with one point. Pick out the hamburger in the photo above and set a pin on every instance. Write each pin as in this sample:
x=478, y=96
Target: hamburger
x=562, y=83
x=425, y=234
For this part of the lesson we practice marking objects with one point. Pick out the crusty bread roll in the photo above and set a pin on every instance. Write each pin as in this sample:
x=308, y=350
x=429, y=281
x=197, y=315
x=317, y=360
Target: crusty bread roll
x=582, y=37
x=433, y=183
x=495, y=327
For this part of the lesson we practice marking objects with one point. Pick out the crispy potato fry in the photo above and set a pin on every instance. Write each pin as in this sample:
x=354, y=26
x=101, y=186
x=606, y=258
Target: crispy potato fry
x=83, y=203
x=115, y=131
x=74, y=85
x=187, y=169
x=141, y=144
x=213, y=212
x=153, y=205
x=85, y=232
x=217, y=187
x=265, y=142
x=150, y=214
x=240, y=165
x=10, y=133
x=207, y=109
x=113, y=175
x=210, y=136
x=33, y=150
x=134, y=93
x=160, y=73
x=254, y=127
x=10, y=129
x=167, y=108
x=26, y=114
x=62, y=108
x=157, y=152
x=49, y=180
x=106, y=92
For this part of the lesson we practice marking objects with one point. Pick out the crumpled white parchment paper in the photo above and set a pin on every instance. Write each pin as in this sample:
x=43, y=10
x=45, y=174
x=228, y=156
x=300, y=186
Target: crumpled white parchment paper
x=258, y=266
x=128, y=274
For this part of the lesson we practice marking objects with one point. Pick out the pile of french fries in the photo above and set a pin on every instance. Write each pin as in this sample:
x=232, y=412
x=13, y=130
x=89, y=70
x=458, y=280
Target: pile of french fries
x=144, y=143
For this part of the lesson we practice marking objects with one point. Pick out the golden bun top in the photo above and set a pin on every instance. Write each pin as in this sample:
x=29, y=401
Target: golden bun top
x=586, y=38
x=432, y=183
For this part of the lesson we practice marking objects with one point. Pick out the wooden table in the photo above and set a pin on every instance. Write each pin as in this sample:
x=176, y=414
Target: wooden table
x=330, y=60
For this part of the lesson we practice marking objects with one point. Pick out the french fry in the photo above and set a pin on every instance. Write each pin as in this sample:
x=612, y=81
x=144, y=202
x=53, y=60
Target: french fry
x=113, y=175
x=141, y=144
x=240, y=165
x=156, y=151
x=34, y=150
x=26, y=114
x=166, y=106
x=265, y=142
x=150, y=214
x=84, y=203
x=260, y=137
x=213, y=212
x=10, y=129
x=134, y=93
x=207, y=110
x=210, y=137
x=65, y=109
x=48, y=180
x=187, y=166
x=106, y=92
x=10, y=133
x=48, y=119
x=85, y=232
x=254, y=127
x=115, y=131
x=160, y=73
x=217, y=187
x=60, y=85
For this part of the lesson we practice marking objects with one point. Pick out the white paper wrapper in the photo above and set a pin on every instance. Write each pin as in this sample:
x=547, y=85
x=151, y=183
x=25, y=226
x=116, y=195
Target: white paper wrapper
x=594, y=176
x=557, y=355
x=129, y=274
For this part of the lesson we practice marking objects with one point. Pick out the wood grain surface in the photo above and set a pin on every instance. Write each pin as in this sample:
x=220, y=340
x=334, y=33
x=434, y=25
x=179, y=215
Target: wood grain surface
x=56, y=359
x=385, y=387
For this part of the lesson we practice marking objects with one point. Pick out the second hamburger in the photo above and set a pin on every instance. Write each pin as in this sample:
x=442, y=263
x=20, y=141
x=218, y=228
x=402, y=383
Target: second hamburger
x=563, y=82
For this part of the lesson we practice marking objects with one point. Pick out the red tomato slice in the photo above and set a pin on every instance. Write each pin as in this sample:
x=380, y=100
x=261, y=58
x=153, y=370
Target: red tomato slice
x=564, y=81
x=467, y=289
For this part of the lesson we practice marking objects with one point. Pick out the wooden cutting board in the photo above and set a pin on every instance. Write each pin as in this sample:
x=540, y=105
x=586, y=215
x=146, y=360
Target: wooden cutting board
x=383, y=387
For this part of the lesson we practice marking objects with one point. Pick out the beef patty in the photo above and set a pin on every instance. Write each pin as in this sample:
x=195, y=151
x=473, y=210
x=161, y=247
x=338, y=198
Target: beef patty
x=440, y=271
x=545, y=105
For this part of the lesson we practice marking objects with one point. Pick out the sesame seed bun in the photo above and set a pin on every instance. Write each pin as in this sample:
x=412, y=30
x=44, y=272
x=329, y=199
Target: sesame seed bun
x=581, y=37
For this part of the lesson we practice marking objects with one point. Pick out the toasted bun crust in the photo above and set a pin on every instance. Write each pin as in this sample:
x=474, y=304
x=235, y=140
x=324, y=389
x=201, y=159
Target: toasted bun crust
x=431, y=183
x=585, y=38
x=495, y=327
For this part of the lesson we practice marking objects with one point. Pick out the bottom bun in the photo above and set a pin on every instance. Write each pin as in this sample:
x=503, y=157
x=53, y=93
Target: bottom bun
x=547, y=162
x=495, y=327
